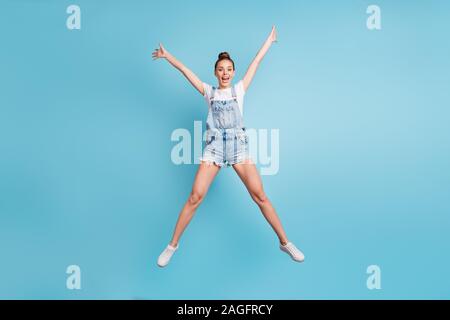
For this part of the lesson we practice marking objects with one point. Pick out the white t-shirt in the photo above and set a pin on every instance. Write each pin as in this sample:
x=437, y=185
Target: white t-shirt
x=225, y=94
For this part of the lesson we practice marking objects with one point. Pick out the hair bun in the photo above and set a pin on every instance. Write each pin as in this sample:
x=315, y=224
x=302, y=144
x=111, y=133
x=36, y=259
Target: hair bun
x=224, y=55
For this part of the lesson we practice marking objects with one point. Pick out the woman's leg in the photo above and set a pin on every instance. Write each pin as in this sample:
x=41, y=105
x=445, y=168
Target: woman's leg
x=250, y=177
x=205, y=175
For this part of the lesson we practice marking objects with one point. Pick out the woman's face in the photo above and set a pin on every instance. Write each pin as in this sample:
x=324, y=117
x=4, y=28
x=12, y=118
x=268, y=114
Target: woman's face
x=224, y=73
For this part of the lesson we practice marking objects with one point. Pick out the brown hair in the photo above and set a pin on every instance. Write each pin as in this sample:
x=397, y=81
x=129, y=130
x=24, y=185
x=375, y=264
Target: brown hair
x=223, y=56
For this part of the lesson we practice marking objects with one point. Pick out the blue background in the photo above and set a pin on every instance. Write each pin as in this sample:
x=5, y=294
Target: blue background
x=86, y=176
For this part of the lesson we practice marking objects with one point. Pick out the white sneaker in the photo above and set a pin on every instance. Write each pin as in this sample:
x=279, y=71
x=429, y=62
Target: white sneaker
x=292, y=250
x=164, y=257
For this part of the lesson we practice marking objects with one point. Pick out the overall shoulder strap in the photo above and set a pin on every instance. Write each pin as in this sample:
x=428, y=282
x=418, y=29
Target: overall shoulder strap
x=233, y=92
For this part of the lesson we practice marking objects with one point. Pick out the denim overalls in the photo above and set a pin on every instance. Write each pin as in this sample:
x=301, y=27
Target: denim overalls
x=226, y=139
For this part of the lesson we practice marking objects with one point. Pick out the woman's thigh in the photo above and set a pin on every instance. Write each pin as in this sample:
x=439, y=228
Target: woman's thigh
x=249, y=175
x=205, y=175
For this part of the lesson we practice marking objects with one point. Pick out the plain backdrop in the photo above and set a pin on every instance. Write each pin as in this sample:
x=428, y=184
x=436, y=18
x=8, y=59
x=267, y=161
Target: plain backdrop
x=86, y=176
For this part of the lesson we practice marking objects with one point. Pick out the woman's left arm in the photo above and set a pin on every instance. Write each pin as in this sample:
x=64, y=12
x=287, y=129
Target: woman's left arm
x=262, y=52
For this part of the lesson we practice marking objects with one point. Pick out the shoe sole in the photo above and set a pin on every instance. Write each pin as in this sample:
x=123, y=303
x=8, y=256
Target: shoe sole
x=299, y=261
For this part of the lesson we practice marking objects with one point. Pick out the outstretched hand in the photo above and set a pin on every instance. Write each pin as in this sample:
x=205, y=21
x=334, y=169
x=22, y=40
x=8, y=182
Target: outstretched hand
x=159, y=53
x=273, y=34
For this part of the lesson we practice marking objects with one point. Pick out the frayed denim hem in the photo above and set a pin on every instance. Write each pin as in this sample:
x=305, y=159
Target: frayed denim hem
x=210, y=162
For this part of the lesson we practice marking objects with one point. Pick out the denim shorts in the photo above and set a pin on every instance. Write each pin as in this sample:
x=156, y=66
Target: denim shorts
x=226, y=147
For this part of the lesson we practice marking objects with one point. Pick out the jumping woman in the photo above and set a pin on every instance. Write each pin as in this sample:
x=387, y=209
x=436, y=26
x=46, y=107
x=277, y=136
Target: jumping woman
x=226, y=144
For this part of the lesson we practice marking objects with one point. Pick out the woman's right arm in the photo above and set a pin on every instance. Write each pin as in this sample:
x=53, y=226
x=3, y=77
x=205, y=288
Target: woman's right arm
x=193, y=79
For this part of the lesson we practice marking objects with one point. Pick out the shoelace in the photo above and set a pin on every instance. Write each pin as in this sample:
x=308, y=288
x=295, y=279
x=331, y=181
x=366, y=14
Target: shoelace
x=291, y=248
x=170, y=250
x=166, y=254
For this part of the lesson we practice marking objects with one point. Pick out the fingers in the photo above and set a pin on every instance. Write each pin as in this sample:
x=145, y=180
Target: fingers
x=274, y=34
x=158, y=52
x=155, y=55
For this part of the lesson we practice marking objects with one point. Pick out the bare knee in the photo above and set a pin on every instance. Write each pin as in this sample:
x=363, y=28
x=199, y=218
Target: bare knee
x=259, y=196
x=196, y=197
